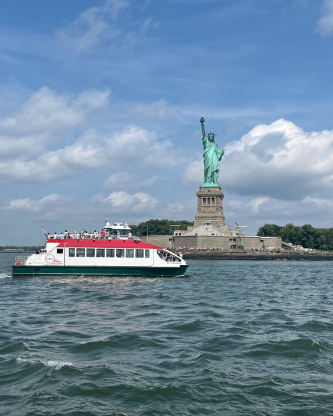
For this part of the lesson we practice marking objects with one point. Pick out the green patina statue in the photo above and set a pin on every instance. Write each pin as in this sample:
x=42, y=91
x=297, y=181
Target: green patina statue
x=212, y=156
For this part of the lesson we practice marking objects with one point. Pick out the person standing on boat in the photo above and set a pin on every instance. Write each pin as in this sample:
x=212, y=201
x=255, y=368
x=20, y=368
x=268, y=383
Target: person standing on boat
x=55, y=236
x=102, y=233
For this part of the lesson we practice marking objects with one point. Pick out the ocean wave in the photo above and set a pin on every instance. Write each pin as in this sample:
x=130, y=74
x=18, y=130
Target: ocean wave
x=51, y=363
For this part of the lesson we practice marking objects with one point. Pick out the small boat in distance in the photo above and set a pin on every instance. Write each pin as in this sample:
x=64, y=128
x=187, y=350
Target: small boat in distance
x=113, y=252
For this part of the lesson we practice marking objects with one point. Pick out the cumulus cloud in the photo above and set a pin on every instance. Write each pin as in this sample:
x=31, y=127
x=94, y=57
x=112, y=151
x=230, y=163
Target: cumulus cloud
x=93, y=25
x=65, y=212
x=158, y=110
x=118, y=180
x=279, y=160
x=318, y=201
x=30, y=205
x=47, y=111
x=23, y=135
x=26, y=134
x=255, y=203
x=325, y=24
x=139, y=202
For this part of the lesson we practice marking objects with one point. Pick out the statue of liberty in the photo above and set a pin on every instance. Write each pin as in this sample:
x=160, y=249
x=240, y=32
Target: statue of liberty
x=212, y=156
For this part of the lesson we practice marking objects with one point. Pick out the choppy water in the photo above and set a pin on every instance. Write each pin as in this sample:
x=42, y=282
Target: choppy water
x=231, y=338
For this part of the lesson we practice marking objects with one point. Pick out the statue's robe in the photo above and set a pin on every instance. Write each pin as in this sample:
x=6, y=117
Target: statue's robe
x=212, y=156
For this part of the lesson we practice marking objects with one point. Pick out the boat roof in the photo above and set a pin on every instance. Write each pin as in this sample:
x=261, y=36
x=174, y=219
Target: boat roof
x=102, y=243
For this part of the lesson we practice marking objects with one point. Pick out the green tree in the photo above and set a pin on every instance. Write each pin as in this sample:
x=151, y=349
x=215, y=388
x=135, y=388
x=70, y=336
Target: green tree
x=307, y=236
x=158, y=227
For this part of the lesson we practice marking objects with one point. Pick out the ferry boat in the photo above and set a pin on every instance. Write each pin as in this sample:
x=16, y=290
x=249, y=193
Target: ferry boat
x=116, y=252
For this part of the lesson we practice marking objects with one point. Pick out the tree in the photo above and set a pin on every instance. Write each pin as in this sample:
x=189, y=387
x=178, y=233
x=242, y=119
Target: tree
x=158, y=227
x=307, y=236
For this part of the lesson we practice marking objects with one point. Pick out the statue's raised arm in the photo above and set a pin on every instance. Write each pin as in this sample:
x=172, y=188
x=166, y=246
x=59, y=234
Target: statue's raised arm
x=202, y=121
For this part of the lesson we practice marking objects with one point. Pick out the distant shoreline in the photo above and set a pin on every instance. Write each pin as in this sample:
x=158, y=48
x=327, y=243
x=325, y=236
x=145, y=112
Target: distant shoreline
x=220, y=255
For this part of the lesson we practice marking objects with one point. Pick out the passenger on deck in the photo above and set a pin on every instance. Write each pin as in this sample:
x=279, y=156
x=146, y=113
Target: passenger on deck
x=66, y=234
x=55, y=236
x=62, y=237
x=102, y=233
x=95, y=234
x=113, y=236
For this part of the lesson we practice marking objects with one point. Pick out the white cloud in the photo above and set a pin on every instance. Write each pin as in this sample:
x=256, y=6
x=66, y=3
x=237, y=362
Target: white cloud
x=255, y=203
x=23, y=135
x=93, y=25
x=46, y=112
x=26, y=134
x=278, y=161
x=61, y=212
x=120, y=179
x=31, y=205
x=158, y=110
x=325, y=24
x=318, y=201
x=139, y=202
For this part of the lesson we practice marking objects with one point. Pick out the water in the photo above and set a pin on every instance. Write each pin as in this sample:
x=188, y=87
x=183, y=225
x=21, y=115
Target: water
x=231, y=338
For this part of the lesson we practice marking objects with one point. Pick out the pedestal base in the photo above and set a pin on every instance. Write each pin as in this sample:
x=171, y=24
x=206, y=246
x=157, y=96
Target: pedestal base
x=210, y=207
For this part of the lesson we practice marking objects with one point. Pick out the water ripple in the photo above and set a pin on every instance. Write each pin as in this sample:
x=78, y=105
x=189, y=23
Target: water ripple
x=233, y=338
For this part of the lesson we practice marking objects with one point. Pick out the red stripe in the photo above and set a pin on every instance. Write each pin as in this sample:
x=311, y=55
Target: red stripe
x=99, y=243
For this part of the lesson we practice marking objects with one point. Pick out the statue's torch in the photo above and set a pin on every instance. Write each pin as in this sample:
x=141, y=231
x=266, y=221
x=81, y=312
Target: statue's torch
x=202, y=120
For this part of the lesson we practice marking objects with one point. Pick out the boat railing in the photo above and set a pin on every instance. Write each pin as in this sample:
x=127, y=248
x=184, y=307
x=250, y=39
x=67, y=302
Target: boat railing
x=21, y=260
x=95, y=237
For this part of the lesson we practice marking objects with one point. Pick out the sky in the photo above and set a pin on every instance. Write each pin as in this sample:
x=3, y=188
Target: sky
x=100, y=103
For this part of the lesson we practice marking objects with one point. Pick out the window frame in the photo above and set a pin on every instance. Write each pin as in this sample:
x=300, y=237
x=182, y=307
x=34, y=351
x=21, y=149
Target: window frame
x=136, y=253
x=147, y=251
x=130, y=251
x=80, y=250
x=102, y=250
x=112, y=252
x=119, y=250
x=91, y=249
x=71, y=252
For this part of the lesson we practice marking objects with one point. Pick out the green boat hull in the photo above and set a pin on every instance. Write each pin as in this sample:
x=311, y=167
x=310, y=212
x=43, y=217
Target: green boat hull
x=26, y=271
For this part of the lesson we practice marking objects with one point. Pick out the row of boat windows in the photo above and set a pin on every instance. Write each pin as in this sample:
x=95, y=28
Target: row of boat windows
x=109, y=252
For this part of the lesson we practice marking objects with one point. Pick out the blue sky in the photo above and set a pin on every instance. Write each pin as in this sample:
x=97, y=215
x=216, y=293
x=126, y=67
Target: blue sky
x=100, y=104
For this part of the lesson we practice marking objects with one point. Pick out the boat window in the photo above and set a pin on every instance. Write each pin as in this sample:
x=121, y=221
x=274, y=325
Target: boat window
x=72, y=252
x=146, y=253
x=60, y=250
x=130, y=253
x=100, y=252
x=110, y=252
x=120, y=252
x=90, y=252
x=121, y=232
x=80, y=252
x=139, y=253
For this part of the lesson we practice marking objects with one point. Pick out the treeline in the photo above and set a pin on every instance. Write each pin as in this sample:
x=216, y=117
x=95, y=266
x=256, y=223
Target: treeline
x=306, y=235
x=158, y=227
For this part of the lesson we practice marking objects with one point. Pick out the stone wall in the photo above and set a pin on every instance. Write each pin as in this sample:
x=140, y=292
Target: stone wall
x=158, y=240
x=225, y=242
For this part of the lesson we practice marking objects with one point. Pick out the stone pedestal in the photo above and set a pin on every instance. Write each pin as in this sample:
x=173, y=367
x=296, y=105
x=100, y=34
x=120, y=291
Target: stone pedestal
x=210, y=207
